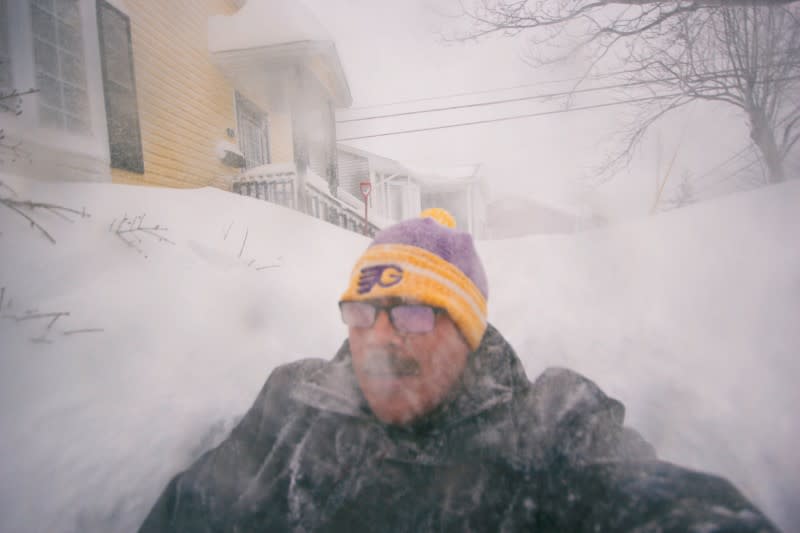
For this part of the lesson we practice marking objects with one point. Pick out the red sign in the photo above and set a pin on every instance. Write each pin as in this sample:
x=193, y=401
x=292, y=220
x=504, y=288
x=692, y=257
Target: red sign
x=366, y=188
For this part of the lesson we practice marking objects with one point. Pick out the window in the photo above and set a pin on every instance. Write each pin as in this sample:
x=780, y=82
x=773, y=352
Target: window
x=253, y=132
x=119, y=86
x=60, y=67
x=5, y=53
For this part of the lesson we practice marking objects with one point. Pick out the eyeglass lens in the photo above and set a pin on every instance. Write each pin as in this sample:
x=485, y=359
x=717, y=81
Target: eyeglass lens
x=407, y=318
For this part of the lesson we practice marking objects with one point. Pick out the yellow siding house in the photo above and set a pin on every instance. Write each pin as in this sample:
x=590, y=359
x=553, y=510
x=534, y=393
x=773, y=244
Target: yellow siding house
x=177, y=93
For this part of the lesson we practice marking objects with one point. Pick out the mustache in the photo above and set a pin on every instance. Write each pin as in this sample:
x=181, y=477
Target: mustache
x=382, y=362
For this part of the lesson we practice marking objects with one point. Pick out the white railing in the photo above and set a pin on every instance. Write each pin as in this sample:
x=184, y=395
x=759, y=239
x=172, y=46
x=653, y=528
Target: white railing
x=278, y=184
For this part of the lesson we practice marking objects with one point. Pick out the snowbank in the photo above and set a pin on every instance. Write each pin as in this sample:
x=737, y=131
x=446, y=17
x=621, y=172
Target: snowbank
x=690, y=318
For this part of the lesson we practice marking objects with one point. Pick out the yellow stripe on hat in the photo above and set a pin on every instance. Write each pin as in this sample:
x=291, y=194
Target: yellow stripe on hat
x=399, y=270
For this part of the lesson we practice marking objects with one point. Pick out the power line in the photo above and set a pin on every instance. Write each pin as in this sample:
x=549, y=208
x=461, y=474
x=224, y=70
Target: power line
x=720, y=165
x=711, y=185
x=486, y=91
x=512, y=117
x=551, y=82
x=536, y=97
x=494, y=102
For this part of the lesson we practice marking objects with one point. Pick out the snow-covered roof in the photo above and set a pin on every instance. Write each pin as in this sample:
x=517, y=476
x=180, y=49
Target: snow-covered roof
x=443, y=175
x=450, y=178
x=269, y=169
x=267, y=33
x=264, y=23
x=377, y=162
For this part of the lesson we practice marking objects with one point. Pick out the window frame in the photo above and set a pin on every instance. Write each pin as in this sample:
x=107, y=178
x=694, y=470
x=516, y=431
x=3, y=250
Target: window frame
x=134, y=162
x=62, y=110
x=56, y=152
x=243, y=107
x=5, y=41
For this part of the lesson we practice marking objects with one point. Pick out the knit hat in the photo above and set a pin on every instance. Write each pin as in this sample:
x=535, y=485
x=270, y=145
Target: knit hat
x=428, y=260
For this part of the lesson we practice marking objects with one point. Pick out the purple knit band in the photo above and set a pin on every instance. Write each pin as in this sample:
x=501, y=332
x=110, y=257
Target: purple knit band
x=454, y=246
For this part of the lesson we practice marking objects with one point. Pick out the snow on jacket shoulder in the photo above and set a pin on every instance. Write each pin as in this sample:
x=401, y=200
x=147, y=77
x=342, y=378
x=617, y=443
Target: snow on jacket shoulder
x=502, y=454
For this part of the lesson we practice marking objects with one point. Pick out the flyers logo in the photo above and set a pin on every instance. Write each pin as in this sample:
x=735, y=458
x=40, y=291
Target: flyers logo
x=381, y=275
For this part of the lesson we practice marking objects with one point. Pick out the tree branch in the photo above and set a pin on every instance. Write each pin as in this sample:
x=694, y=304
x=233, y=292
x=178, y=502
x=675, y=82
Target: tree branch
x=11, y=204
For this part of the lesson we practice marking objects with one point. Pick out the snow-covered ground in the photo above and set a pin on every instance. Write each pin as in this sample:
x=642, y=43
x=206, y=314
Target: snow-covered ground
x=691, y=318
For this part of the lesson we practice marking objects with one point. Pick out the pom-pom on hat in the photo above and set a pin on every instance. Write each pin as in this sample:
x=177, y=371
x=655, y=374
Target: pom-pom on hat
x=428, y=260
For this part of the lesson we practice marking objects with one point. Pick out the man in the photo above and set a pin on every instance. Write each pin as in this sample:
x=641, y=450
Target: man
x=425, y=420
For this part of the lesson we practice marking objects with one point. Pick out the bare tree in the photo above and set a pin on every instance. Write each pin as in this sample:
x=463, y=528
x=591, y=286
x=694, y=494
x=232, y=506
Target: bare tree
x=745, y=53
x=683, y=195
x=747, y=57
x=633, y=17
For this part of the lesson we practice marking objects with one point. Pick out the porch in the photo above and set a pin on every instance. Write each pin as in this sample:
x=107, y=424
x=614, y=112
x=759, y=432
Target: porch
x=280, y=184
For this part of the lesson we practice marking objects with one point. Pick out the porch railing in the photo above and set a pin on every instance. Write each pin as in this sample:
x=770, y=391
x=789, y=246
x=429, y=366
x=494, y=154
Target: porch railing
x=278, y=185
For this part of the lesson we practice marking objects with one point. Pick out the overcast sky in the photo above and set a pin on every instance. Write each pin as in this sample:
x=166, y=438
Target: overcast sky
x=392, y=51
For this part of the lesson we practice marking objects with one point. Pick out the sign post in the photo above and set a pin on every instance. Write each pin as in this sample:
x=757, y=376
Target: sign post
x=366, y=188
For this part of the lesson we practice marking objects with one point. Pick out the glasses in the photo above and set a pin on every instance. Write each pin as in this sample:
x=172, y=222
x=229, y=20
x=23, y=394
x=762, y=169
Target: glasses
x=405, y=318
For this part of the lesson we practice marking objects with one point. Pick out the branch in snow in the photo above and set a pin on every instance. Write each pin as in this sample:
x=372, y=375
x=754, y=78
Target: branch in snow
x=30, y=315
x=15, y=94
x=247, y=231
x=4, y=186
x=46, y=319
x=84, y=330
x=34, y=316
x=34, y=224
x=14, y=149
x=11, y=102
x=20, y=207
x=133, y=227
x=273, y=265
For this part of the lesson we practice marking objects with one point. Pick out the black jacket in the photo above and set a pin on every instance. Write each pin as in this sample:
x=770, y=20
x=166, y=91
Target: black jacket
x=501, y=454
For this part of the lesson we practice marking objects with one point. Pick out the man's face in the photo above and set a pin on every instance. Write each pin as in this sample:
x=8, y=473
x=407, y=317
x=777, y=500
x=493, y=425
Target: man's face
x=405, y=375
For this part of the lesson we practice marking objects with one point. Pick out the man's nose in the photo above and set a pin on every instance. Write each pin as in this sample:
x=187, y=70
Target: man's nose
x=382, y=329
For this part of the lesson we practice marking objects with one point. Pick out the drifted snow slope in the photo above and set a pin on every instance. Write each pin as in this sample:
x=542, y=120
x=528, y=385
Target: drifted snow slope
x=690, y=318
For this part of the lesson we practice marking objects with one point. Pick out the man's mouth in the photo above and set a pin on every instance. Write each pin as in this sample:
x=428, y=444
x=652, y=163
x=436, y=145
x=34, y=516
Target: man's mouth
x=388, y=365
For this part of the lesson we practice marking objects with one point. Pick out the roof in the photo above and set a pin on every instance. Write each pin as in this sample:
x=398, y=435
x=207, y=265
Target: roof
x=264, y=32
x=448, y=175
x=377, y=162
x=430, y=178
x=450, y=178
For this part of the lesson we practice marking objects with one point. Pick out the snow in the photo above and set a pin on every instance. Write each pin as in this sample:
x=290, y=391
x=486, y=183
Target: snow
x=264, y=23
x=517, y=216
x=690, y=318
x=271, y=168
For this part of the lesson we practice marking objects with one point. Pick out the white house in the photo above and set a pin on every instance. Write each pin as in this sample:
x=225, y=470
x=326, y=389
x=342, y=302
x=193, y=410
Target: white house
x=284, y=59
x=401, y=191
x=394, y=195
x=462, y=190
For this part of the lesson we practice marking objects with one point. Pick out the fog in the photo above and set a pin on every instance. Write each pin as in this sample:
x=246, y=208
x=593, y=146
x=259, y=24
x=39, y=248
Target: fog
x=166, y=344
x=688, y=316
x=549, y=158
